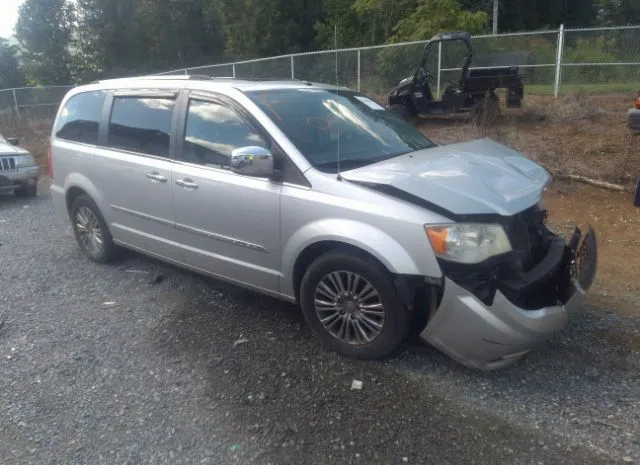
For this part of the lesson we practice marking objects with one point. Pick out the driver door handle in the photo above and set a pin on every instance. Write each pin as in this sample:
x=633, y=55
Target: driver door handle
x=156, y=177
x=186, y=183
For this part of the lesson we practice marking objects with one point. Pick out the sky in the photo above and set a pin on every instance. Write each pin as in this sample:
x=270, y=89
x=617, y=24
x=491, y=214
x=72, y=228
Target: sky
x=8, y=16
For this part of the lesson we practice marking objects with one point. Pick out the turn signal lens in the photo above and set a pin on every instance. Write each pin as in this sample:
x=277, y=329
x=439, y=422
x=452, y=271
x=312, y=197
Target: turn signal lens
x=438, y=237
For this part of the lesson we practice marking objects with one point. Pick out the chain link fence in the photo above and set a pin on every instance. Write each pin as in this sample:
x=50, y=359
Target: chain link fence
x=30, y=102
x=551, y=62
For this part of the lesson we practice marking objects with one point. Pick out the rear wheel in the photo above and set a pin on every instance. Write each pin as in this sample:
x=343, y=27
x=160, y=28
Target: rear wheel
x=350, y=303
x=91, y=231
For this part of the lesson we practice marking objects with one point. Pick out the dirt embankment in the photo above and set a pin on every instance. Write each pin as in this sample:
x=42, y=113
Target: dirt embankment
x=617, y=224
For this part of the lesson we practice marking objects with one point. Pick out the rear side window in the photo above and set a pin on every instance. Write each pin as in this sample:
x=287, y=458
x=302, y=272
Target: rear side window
x=79, y=120
x=141, y=124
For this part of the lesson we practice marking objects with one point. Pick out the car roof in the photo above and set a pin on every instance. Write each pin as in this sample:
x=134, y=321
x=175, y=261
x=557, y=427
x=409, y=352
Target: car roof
x=204, y=83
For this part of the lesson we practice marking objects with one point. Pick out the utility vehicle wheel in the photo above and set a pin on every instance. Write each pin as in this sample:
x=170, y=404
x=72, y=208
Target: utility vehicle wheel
x=402, y=111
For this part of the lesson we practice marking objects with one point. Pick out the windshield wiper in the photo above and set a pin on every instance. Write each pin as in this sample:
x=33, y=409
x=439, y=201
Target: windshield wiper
x=345, y=163
x=356, y=163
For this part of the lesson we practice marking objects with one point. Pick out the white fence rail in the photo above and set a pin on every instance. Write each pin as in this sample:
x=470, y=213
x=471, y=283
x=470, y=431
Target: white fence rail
x=551, y=62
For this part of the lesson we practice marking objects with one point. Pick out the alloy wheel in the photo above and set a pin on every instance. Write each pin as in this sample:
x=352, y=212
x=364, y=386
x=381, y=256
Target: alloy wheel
x=349, y=307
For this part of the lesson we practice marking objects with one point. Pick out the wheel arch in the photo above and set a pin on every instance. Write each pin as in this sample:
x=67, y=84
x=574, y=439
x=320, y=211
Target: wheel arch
x=77, y=184
x=315, y=250
x=317, y=238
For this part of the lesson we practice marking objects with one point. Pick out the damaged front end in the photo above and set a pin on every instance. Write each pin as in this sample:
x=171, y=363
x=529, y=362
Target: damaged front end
x=493, y=312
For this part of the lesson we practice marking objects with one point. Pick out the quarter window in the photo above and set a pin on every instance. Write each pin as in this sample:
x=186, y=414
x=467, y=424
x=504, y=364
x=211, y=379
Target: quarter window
x=213, y=131
x=79, y=120
x=141, y=125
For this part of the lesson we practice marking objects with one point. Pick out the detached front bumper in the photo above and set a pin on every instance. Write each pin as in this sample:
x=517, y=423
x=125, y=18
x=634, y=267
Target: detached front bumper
x=19, y=178
x=493, y=336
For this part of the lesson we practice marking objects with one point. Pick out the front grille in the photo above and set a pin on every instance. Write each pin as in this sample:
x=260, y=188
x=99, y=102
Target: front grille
x=529, y=237
x=7, y=164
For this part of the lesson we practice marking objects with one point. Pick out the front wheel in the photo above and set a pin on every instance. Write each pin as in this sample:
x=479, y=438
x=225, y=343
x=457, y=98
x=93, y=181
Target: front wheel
x=350, y=303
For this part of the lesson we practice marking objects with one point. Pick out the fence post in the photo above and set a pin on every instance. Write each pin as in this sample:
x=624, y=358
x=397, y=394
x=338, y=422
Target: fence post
x=186, y=73
x=439, y=67
x=15, y=102
x=233, y=70
x=293, y=74
x=358, y=70
x=559, y=54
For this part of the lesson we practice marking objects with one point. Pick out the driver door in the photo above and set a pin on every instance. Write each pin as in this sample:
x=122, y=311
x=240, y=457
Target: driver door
x=229, y=224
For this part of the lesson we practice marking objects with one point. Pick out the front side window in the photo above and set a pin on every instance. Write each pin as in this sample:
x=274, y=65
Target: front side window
x=79, y=120
x=213, y=131
x=141, y=124
x=326, y=126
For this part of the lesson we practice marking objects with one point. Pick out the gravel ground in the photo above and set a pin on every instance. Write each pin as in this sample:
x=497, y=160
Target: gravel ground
x=186, y=370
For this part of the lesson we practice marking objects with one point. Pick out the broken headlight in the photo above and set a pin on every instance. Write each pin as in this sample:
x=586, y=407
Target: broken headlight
x=468, y=242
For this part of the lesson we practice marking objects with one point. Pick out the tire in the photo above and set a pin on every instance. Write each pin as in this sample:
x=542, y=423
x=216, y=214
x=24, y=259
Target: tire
x=84, y=211
x=26, y=191
x=402, y=111
x=395, y=318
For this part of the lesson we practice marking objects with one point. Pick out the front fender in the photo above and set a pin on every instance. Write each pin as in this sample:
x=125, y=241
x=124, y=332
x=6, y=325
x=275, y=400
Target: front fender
x=361, y=235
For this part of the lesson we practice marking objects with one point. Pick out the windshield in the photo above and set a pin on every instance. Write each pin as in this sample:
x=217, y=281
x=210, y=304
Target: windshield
x=323, y=123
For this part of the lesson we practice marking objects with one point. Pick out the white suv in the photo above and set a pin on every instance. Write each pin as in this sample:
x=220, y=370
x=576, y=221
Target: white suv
x=18, y=170
x=319, y=195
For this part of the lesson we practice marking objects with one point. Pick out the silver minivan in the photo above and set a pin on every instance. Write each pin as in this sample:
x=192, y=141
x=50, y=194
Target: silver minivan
x=319, y=195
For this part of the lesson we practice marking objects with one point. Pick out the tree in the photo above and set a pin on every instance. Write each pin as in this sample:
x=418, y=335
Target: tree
x=432, y=16
x=258, y=28
x=616, y=12
x=180, y=32
x=531, y=15
x=340, y=16
x=383, y=16
x=11, y=74
x=116, y=40
x=43, y=30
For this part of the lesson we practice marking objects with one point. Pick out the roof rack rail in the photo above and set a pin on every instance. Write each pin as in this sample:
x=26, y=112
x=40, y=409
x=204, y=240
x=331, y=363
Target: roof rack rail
x=161, y=77
x=198, y=77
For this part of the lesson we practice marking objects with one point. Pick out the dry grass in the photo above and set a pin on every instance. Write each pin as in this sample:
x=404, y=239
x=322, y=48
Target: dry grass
x=571, y=108
x=575, y=134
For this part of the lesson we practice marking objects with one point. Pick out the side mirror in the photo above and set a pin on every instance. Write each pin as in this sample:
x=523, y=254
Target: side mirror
x=252, y=161
x=13, y=140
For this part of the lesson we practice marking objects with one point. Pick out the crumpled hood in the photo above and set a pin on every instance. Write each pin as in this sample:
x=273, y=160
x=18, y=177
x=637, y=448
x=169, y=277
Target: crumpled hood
x=477, y=177
x=8, y=149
